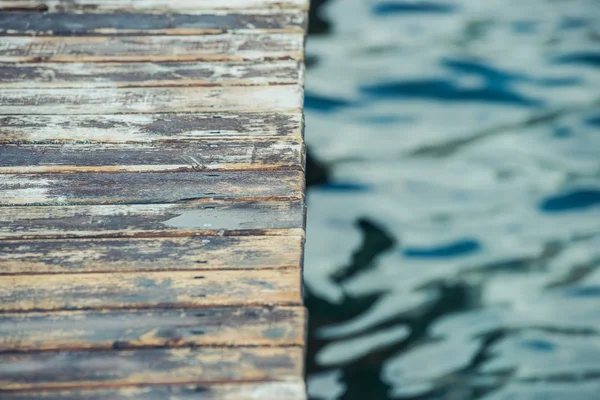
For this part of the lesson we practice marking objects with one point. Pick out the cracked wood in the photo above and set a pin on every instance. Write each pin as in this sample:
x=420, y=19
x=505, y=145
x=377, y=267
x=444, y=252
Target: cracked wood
x=98, y=369
x=197, y=217
x=290, y=389
x=85, y=24
x=151, y=199
x=129, y=329
x=150, y=290
x=157, y=6
x=141, y=128
x=151, y=100
x=150, y=157
x=59, y=256
x=221, y=47
x=148, y=74
x=147, y=187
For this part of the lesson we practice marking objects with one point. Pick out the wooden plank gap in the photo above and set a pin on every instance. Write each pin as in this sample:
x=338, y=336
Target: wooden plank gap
x=198, y=269
x=141, y=169
x=162, y=234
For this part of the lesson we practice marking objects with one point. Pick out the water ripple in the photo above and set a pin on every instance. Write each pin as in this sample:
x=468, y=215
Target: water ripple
x=453, y=227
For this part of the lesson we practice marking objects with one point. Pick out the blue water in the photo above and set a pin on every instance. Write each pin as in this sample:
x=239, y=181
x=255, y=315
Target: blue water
x=453, y=237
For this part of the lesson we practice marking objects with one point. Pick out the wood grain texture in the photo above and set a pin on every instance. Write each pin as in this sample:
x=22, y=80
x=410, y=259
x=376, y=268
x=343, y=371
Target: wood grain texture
x=151, y=157
x=287, y=390
x=151, y=100
x=197, y=253
x=86, y=24
x=159, y=6
x=129, y=329
x=152, y=207
x=222, y=47
x=150, y=289
x=63, y=75
x=149, y=187
x=142, y=128
x=156, y=366
x=192, y=218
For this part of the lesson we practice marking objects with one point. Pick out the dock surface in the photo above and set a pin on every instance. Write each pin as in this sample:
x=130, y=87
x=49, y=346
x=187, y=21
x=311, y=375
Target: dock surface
x=151, y=199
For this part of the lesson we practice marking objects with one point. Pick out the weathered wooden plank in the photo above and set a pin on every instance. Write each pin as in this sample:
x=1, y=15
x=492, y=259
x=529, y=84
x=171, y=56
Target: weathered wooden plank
x=151, y=100
x=127, y=269
x=288, y=390
x=151, y=157
x=155, y=366
x=81, y=24
x=159, y=6
x=149, y=254
x=150, y=289
x=222, y=47
x=149, y=187
x=151, y=220
x=37, y=75
x=128, y=329
x=147, y=127
x=87, y=24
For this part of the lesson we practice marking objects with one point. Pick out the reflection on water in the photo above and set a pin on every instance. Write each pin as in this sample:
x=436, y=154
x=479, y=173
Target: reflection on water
x=453, y=244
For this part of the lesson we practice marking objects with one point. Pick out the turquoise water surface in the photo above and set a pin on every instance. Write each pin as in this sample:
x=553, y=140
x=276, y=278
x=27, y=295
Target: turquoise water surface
x=453, y=237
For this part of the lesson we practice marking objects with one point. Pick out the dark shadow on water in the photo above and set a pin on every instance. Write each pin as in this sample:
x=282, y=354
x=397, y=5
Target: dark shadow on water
x=317, y=25
x=315, y=102
x=317, y=173
x=575, y=200
x=362, y=377
x=593, y=121
x=447, y=91
x=375, y=241
x=459, y=248
x=582, y=58
x=499, y=79
x=412, y=7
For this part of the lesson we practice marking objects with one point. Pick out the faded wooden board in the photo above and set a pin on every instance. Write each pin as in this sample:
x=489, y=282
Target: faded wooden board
x=151, y=100
x=150, y=157
x=156, y=366
x=149, y=254
x=148, y=127
x=81, y=24
x=128, y=329
x=150, y=289
x=151, y=199
x=160, y=6
x=149, y=187
x=37, y=75
x=223, y=47
x=206, y=217
x=288, y=390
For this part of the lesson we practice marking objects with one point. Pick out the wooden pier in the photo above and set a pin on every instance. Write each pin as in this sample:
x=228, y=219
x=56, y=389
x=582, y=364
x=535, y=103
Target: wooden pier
x=151, y=199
